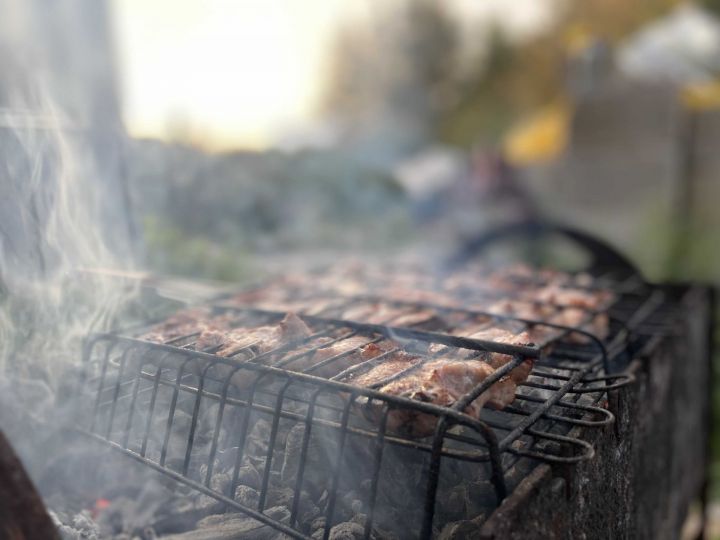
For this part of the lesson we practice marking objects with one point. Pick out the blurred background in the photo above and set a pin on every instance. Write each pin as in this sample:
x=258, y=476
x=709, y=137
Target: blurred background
x=226, y=130
x=225, y=137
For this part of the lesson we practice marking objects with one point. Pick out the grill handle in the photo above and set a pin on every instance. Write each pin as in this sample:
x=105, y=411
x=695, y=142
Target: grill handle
x=604, y=257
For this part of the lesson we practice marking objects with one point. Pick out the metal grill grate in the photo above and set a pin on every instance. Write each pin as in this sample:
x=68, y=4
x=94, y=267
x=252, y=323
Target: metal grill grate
x=194, y=416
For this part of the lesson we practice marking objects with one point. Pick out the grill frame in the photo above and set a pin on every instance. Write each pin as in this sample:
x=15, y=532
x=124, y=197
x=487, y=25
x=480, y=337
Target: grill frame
x=616, y=348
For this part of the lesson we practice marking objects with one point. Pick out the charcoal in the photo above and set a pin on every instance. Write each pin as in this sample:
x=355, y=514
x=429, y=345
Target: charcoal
x=347, y=531
x=258, y=438
x=80, y=527
x=292, y=453
x=375, y=533
x=280, y=497
x=454, y=503
x=178, y=435
x=220, y=482
x=307, y=509
x=208, y=505
x=322, y=450
x=359, y=518
x=481, y=498
x=347, y=506
x=203, y=469
x=400, y=522
x=460, y=530
x=318, y=525
x=208, y=417
x=225, y=457
x=235, y=525
x=248, y=476
x=356, y=506
x=322, y=501
x=183, y=518
x=247, y=496
x=402, y=474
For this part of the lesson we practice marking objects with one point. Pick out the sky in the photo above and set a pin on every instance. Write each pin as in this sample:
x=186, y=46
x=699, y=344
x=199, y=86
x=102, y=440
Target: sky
x=240, y=73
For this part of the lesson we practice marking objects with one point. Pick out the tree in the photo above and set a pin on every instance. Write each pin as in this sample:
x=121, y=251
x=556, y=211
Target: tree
x=401, y=64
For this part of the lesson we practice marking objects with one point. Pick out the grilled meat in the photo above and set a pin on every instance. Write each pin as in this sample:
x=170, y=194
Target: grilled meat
x=257, y=340
x=574, y=317
x=338, y=356
x=441, y=382
x=379, y=375
x=497, y=360
x=382, y=364
x=184, y=323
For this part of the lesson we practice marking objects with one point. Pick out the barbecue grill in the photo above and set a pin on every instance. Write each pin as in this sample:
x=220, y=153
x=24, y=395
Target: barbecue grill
x=304, y=454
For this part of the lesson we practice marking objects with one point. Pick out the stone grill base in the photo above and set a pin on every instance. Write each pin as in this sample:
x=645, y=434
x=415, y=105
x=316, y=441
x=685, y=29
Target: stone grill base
x=648, y=467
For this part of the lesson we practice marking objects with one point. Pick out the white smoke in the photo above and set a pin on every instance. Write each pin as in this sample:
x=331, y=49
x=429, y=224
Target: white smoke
x=51, y=232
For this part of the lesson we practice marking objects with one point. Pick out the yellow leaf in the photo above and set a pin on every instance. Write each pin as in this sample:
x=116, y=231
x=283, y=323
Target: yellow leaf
x=701, y=96
x=541, y=137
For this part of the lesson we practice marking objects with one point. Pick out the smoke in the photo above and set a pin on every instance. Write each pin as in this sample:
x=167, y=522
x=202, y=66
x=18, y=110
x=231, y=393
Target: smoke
x=51, y=233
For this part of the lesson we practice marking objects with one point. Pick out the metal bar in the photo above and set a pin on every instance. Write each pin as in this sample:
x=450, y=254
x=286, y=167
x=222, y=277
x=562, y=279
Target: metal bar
x=216, y=431
x=374, y=482
x=193, y=422
x=303, y=457
x=101, y=384
x=530, y=419
x=171, y=410
x=433, y=478
x=338, y=466
x=462, y=419
x=271, y=445
x=393, y=332
x=315, y=381
x=242, y=437
x=116, y=391
x=587, y=449
x=131, y=409
x=151, y=411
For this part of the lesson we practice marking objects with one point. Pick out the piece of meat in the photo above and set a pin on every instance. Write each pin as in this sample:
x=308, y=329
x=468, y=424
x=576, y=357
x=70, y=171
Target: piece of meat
x=381, y=372
x=260, y=339
x=386, y=314
x=498, y=334
x=596, y=324
x=418, y=294
x=497, y=360
x=345, y=353
x=522, y=309
x=558, y=295
x=182, y=323
x=210, y=339
x=538, y=334
x=575, y=317
x=441, y=382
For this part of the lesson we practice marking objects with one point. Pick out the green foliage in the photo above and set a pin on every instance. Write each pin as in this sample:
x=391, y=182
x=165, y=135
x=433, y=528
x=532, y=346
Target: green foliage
x=711, y=5
x=691, y=254
x=170, y=250
x=209, y=216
